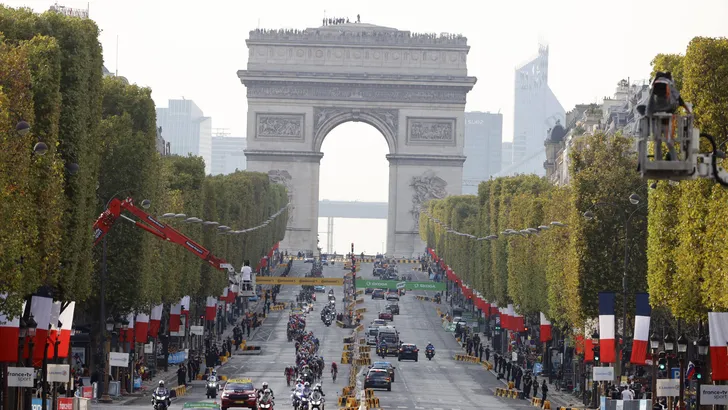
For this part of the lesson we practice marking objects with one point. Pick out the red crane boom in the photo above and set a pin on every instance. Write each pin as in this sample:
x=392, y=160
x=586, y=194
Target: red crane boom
x=150, y=224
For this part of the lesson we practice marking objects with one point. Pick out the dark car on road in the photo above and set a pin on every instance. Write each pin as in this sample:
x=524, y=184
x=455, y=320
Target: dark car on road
x=384, y=366
x=393, y=307
x=378, y=294
x=378, y=378
x=368, y=291
x=386, y=315
x=408, y=351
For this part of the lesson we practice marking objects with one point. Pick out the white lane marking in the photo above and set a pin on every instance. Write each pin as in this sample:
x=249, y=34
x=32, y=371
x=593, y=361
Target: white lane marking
x=402, y=407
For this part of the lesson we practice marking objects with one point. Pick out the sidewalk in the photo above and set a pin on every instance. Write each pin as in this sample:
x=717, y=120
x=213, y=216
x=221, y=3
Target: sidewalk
x=557, y=398
x=170, y=376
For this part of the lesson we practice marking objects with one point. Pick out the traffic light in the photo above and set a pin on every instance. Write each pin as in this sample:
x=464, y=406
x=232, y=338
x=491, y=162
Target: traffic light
x=596, y=354
x=698, y=370
x=662, y=361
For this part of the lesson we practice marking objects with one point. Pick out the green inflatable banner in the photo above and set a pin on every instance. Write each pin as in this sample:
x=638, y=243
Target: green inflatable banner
x=392, y=284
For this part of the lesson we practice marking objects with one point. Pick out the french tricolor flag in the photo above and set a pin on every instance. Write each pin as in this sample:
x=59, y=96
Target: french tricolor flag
x=511, y=317
x=641, y=329
x=10, y=335
x=185, y=305
x=54, y=331
x=129, y=336
x=519, y=324
x=718, y=328
x=174, y=317
x=545, y=330
x=606, y=327
x=141, y=330
x=66, y=319
x=41, y=308
x=155, y=321
x=210, y=308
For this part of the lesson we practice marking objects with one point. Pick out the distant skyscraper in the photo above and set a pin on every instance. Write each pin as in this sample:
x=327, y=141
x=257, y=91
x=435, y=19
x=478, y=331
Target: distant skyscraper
x=483, y=134
x=536, y=110
x=228, y=155
x=506, y=154
x=187, y=129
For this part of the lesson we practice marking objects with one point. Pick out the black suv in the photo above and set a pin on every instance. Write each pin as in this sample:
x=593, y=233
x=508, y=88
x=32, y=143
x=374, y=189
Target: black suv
x=408, y=351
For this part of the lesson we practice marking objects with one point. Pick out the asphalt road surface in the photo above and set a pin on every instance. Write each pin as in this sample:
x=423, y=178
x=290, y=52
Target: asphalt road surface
x=440, y=384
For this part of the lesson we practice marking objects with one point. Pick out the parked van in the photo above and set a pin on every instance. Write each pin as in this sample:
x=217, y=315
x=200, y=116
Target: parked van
x=372, y=333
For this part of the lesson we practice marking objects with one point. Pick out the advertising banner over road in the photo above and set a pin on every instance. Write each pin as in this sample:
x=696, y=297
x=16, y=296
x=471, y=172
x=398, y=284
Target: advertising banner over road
x=392, y=284
x=278, y=280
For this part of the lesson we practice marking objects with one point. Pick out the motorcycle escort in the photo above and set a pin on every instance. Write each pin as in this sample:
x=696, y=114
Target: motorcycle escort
x=212, y=387
x=430, y=353
x=265, y=402
x=316, y=401
x=160, y=400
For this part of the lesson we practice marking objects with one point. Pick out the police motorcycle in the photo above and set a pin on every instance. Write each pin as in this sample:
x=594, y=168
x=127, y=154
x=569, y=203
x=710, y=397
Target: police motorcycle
x=160, y=397
x=430, y=351
x=212, y=387
x=316, y=399
x=265, y=401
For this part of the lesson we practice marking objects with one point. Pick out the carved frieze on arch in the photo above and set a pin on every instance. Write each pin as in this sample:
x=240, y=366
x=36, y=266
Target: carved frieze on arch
x=384, y=120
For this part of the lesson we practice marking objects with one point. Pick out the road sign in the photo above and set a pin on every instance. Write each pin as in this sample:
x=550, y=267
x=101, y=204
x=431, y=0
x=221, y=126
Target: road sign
x=278, y=280
x=401, y=285
x=393, y=284
x=675, y=373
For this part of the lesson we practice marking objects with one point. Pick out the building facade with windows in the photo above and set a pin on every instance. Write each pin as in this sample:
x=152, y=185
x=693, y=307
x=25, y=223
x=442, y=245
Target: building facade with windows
x=483, y=137
x=187, y=130
x=536, y=110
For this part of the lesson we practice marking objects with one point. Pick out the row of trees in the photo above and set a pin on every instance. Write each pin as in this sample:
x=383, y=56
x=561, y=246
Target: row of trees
x=560, y=270
x=51, y=77
x=673, y=239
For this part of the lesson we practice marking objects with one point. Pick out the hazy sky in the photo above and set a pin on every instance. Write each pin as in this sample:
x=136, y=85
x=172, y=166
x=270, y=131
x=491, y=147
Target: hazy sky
x=192, y=49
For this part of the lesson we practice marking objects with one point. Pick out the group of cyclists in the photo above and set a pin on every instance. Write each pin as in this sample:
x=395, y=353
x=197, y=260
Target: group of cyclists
x=296, y=327
x=308, y=369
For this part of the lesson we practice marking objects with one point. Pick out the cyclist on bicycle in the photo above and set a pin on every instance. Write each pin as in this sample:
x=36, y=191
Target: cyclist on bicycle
x=334, y=370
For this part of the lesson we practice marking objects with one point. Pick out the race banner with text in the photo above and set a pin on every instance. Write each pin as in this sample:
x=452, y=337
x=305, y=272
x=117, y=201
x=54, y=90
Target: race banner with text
x=392, y=284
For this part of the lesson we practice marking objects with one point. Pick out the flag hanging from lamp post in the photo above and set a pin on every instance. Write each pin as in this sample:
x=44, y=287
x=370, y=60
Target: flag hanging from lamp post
x=606, y=327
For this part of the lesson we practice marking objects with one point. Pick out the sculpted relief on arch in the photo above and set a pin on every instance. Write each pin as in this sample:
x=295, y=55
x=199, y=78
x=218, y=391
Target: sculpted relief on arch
x=426, y=187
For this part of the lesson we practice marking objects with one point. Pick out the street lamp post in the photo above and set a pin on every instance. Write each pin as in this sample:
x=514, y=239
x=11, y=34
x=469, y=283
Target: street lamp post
x=654, y=346
x=109, y=327
x=682, y=348
x=595, y=384
x=703, y=346
x=634, y=199
x=123, y=340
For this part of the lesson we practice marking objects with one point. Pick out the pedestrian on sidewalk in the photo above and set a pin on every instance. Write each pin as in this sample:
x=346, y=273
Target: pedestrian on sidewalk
x=544, y=393
x=519, y=374
x=535, y=386
x=487, y=353
x=189, y=370
x=480, y=356
x=181, y=375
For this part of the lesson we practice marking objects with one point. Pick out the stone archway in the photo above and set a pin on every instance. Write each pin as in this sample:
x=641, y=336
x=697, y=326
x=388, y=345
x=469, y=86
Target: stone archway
x=301, y=84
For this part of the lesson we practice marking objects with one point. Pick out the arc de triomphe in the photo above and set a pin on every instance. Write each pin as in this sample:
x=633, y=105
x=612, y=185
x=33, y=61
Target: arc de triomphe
x=301, y=84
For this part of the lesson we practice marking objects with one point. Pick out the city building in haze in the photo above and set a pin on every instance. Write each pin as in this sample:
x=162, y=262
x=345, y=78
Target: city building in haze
x=506, y=154
x=483, y=134
x=187, y=130
x=228, y=154
x=536, y=110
